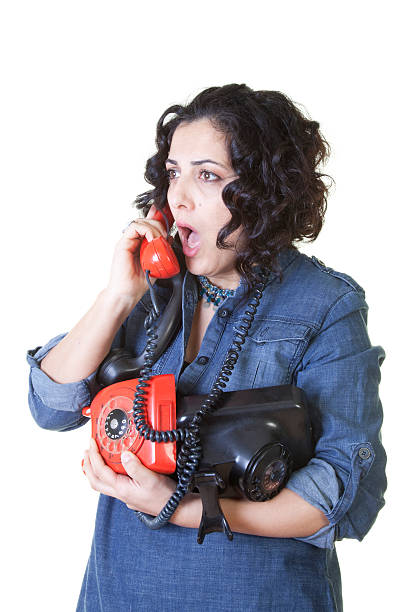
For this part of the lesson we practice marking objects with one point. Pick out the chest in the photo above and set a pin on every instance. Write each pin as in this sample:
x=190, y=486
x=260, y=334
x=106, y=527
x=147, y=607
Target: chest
x=268, y=356
x=202, y=317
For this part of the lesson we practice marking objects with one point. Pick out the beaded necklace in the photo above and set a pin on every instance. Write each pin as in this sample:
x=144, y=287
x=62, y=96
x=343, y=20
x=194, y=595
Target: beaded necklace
x=211, y=293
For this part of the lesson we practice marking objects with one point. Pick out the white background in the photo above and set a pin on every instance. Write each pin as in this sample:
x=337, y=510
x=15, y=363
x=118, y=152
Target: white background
x=83, y=84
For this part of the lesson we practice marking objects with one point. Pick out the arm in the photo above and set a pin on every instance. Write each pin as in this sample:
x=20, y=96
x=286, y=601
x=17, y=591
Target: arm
x=285, y=516
x=340, y=374
x=62, y=376
x=82, y=350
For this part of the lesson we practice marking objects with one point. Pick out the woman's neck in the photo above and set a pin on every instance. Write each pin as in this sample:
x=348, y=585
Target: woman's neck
x=228, y=281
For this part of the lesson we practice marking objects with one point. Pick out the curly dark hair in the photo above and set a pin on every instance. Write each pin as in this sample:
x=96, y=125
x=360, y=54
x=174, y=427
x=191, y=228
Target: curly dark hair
x=279, y=197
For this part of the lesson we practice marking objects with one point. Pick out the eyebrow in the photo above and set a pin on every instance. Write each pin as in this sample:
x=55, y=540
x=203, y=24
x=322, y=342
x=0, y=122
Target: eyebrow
x=197, y=162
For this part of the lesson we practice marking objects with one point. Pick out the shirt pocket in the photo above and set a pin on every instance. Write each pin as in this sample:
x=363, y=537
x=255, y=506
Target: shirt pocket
x=273, y=347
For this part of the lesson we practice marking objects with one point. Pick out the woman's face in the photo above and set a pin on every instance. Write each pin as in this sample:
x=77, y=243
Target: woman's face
x=198, y=169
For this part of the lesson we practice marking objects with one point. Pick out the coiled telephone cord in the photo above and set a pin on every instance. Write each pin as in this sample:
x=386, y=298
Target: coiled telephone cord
x=191, y=450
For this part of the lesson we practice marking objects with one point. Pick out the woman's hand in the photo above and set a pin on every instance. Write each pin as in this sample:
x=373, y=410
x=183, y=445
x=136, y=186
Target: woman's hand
x=127, y=279
x=142, y=489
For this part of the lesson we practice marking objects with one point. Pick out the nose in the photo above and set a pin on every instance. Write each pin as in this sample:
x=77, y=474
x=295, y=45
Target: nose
x=179, y=194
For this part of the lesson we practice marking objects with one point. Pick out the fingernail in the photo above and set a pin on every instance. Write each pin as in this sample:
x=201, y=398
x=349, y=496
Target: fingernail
x=125, y=457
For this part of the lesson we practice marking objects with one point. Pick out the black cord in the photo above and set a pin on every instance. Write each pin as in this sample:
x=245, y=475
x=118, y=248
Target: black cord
x=156, y=310
x=191, y=450
x=167, y=223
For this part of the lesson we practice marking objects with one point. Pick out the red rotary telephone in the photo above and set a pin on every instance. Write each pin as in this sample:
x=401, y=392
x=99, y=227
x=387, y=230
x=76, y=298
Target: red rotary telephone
x=113, y=428
x=111, y=410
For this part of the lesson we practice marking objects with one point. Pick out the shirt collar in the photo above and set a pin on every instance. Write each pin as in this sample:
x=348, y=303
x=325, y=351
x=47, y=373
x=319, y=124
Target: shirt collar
x=285, y=258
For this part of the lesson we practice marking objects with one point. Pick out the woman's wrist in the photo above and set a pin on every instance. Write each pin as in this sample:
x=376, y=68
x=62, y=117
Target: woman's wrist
x=189, y=512
x=119, y=304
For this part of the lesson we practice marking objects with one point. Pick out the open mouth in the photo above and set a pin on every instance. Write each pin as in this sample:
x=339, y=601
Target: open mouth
x=190, y=239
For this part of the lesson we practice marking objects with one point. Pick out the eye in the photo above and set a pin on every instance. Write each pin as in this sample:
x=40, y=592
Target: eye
x=205, y=172
x=168, y=173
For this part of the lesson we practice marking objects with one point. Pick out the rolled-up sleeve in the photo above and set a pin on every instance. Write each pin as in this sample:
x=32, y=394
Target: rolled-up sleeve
x=340, y=374
x=55, y=405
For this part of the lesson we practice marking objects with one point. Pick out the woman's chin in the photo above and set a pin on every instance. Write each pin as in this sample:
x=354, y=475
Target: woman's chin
x=193, y=266
x=196, y=265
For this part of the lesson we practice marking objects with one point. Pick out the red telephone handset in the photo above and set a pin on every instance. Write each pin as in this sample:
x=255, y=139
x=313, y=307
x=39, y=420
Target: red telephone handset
x=157, y=255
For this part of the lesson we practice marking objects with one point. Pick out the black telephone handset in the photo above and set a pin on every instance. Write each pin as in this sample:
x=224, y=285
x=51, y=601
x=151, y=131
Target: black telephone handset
x=158, y=260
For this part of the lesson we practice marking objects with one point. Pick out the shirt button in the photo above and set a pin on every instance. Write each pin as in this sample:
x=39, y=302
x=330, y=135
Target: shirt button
x=223, y=313
x=202, y=360
x=364, y=453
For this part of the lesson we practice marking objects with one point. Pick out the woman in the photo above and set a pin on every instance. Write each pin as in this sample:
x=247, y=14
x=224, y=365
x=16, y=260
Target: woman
x=239, y=171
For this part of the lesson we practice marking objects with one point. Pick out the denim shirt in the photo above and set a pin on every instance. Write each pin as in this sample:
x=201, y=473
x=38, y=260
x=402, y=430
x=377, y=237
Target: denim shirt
x=310, y=331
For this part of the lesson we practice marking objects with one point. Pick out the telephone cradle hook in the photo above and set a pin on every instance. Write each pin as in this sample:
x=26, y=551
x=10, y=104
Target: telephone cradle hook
x=208, y=483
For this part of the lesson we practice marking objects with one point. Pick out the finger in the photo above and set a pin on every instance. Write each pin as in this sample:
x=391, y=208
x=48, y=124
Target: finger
x=101, y=470
x=163, y=217
x=140, y=474
x=95, y=482
x=139, y=229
